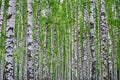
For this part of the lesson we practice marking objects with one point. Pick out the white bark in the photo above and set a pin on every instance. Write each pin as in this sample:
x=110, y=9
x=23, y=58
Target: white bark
x=30, y=70
x=69, y=56
x=53, y=34
x=1, y=15
x=45, y=61
x=110, y=58
x=92, y=40
x=2, y=62
x=104, y=29
x=85, y=53
x=10, y=41
x=74, y=53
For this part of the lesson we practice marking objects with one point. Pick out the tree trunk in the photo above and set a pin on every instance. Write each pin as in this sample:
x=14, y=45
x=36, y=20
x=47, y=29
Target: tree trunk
x=10, y=41
x=92, y=40
x=1, y=15
x=45, y=62
x=30, y=70
x=85, y=53
x=110, y=57
x=104, y=29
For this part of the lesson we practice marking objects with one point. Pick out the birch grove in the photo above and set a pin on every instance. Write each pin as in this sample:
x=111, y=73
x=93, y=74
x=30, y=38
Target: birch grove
x=59, y=40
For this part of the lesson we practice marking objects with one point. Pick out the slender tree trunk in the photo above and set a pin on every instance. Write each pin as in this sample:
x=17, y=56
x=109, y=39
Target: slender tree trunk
x=114, y=57
x=37, y=42
x=25, y=59
x=85, y=53
x=25, y=49
x=30, y=70
x=71, y=57
x=2, y=61
x=52, y=53
x=45, y=62
x=104, y=29
x=1, y=15
x=110, y=58
x=114, y=47
x=53, y=40
x=59, y=56
x=10, y=41
x=67, y=43
x=92, y=40
x=74, y=53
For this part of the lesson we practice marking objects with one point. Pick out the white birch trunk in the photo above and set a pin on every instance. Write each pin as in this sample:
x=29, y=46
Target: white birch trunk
x=110, y=58
x=1, y=15
x=2, y=62
x=45, y=61
x=10, y=41
x=21, y=43
x=51, y=57
x=104, y=29
x=85, y=53
x=74, y=53
x=30, y=71
x=92, y=40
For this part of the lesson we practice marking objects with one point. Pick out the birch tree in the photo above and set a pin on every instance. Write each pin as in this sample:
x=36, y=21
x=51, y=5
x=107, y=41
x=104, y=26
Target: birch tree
x=104, y=29
x=10, y=41
x=1, y=21
x=45, y=65
x=30, y=75
x=1, y=15
x=74, y=53
x=92, y=40
x=110, y=58
x=85, y=53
